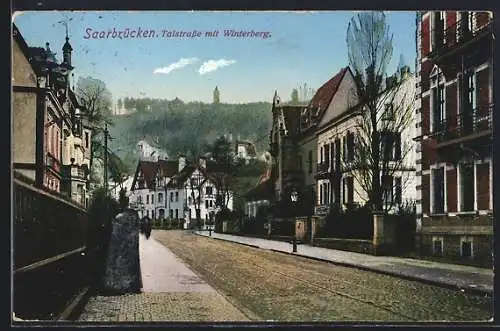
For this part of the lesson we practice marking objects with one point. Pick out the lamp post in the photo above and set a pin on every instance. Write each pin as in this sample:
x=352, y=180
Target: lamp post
x=294, y=197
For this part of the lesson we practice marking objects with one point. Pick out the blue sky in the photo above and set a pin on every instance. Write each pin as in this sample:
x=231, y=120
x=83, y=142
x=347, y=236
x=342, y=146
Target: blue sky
x=304, y=47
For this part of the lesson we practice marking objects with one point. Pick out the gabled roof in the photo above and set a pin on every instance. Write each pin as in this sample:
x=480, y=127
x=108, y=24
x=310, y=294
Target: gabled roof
x=168, y=168
x=325, y=93
x=181, y=176
x=149, y=170
x=292, y=119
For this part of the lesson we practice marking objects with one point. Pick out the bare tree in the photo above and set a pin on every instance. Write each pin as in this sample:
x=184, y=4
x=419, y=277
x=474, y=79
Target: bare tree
x=378, y=151
x=195, y=185
x=96, y=100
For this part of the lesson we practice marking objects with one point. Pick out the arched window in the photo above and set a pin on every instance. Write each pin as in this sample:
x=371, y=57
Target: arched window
x=438, y=121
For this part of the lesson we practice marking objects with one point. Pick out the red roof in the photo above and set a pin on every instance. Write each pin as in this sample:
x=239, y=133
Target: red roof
x=169, y=168
x=325, y=93
x=149, y=170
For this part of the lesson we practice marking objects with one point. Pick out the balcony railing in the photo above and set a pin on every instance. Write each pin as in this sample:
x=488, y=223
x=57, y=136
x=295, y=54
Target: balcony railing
x=476, y=122
x=322, y=168
x=457, y=35
x=74, y=171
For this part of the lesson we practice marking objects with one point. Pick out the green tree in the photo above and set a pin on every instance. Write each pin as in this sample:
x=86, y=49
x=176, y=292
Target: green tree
x=294, y=98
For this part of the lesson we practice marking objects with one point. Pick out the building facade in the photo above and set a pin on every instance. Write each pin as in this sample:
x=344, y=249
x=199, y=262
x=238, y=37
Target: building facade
x=454, y=160
x=51, y=140
x=339, y=135
x=176, y=190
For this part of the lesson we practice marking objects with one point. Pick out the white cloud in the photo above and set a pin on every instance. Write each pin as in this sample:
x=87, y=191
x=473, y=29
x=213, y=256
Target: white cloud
x=212, y=65
x=176, y=65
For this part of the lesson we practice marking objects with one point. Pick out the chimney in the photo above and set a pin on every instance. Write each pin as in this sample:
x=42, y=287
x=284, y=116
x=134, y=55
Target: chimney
x=182, y=162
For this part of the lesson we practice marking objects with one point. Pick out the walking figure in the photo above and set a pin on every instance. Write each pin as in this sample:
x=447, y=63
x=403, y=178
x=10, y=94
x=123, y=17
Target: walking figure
x=146, y=226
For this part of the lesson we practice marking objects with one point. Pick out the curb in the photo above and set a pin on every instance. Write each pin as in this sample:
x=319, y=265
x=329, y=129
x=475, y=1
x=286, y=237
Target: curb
x=244, y=244
x=470, y=290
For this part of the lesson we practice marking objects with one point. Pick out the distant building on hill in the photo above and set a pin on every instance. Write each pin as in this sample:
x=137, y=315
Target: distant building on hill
x=148, y=152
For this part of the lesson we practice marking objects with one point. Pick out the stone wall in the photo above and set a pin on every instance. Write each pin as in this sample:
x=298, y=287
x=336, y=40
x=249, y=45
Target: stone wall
x=351, y=245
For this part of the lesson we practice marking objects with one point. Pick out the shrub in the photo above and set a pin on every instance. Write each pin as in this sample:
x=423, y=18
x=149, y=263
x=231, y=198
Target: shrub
x=102, y=210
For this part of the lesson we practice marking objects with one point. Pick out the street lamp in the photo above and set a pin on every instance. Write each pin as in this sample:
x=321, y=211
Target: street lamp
x=294, y=197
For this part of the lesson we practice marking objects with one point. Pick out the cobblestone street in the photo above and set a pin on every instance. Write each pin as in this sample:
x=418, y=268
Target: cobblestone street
x=281, y=287
x=171, y=292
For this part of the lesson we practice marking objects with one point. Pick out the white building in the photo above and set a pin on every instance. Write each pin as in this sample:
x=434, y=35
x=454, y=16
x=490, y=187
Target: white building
x=338, y=134
x=147, y=152
x=171, y=189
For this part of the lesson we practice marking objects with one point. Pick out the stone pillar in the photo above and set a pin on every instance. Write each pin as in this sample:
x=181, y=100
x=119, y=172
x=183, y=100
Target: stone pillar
x=378, y=232
x=313, y=229
x=122, y=273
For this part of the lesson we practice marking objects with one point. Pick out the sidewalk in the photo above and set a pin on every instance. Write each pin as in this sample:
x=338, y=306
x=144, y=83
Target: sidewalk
x=170, y=292
x=470, y=279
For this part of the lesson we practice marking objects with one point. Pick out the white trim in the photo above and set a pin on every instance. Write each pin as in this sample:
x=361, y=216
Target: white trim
x=476, y=162
x=481, y=67
x=426, y=172
x=450, y=82
x=426, y=93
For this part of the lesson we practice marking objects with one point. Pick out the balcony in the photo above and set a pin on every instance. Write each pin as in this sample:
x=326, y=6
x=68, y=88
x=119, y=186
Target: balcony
x=458, y=36
x=52, y=163
x=322, y=170
x=469, y=126
x=75, y=171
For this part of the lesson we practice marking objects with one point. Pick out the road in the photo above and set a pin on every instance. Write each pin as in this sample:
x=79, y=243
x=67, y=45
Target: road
x=277, y=287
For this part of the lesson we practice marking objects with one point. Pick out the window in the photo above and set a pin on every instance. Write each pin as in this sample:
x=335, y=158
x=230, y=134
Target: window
x=321, y=195
x=466, y=174
x=398, y=191
x=387, y=185
x=176, y=196
x=437, y=246
x=152, y=198
x=147, y=199
x=147, y=212
x=177, y=213
x=466, y=247
x=321, y=153
x=310, y=161
x=327, y=153
x=337, y=154
x=348, y=190
x=206, y=203
x=390, y=145
x=208, y=190
x=211, y=203
x=153, y=214
x=468, y=101
x=438, y=190
x=86, y=139
x=160, y=197
x=171, y=196
x=438, y=107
